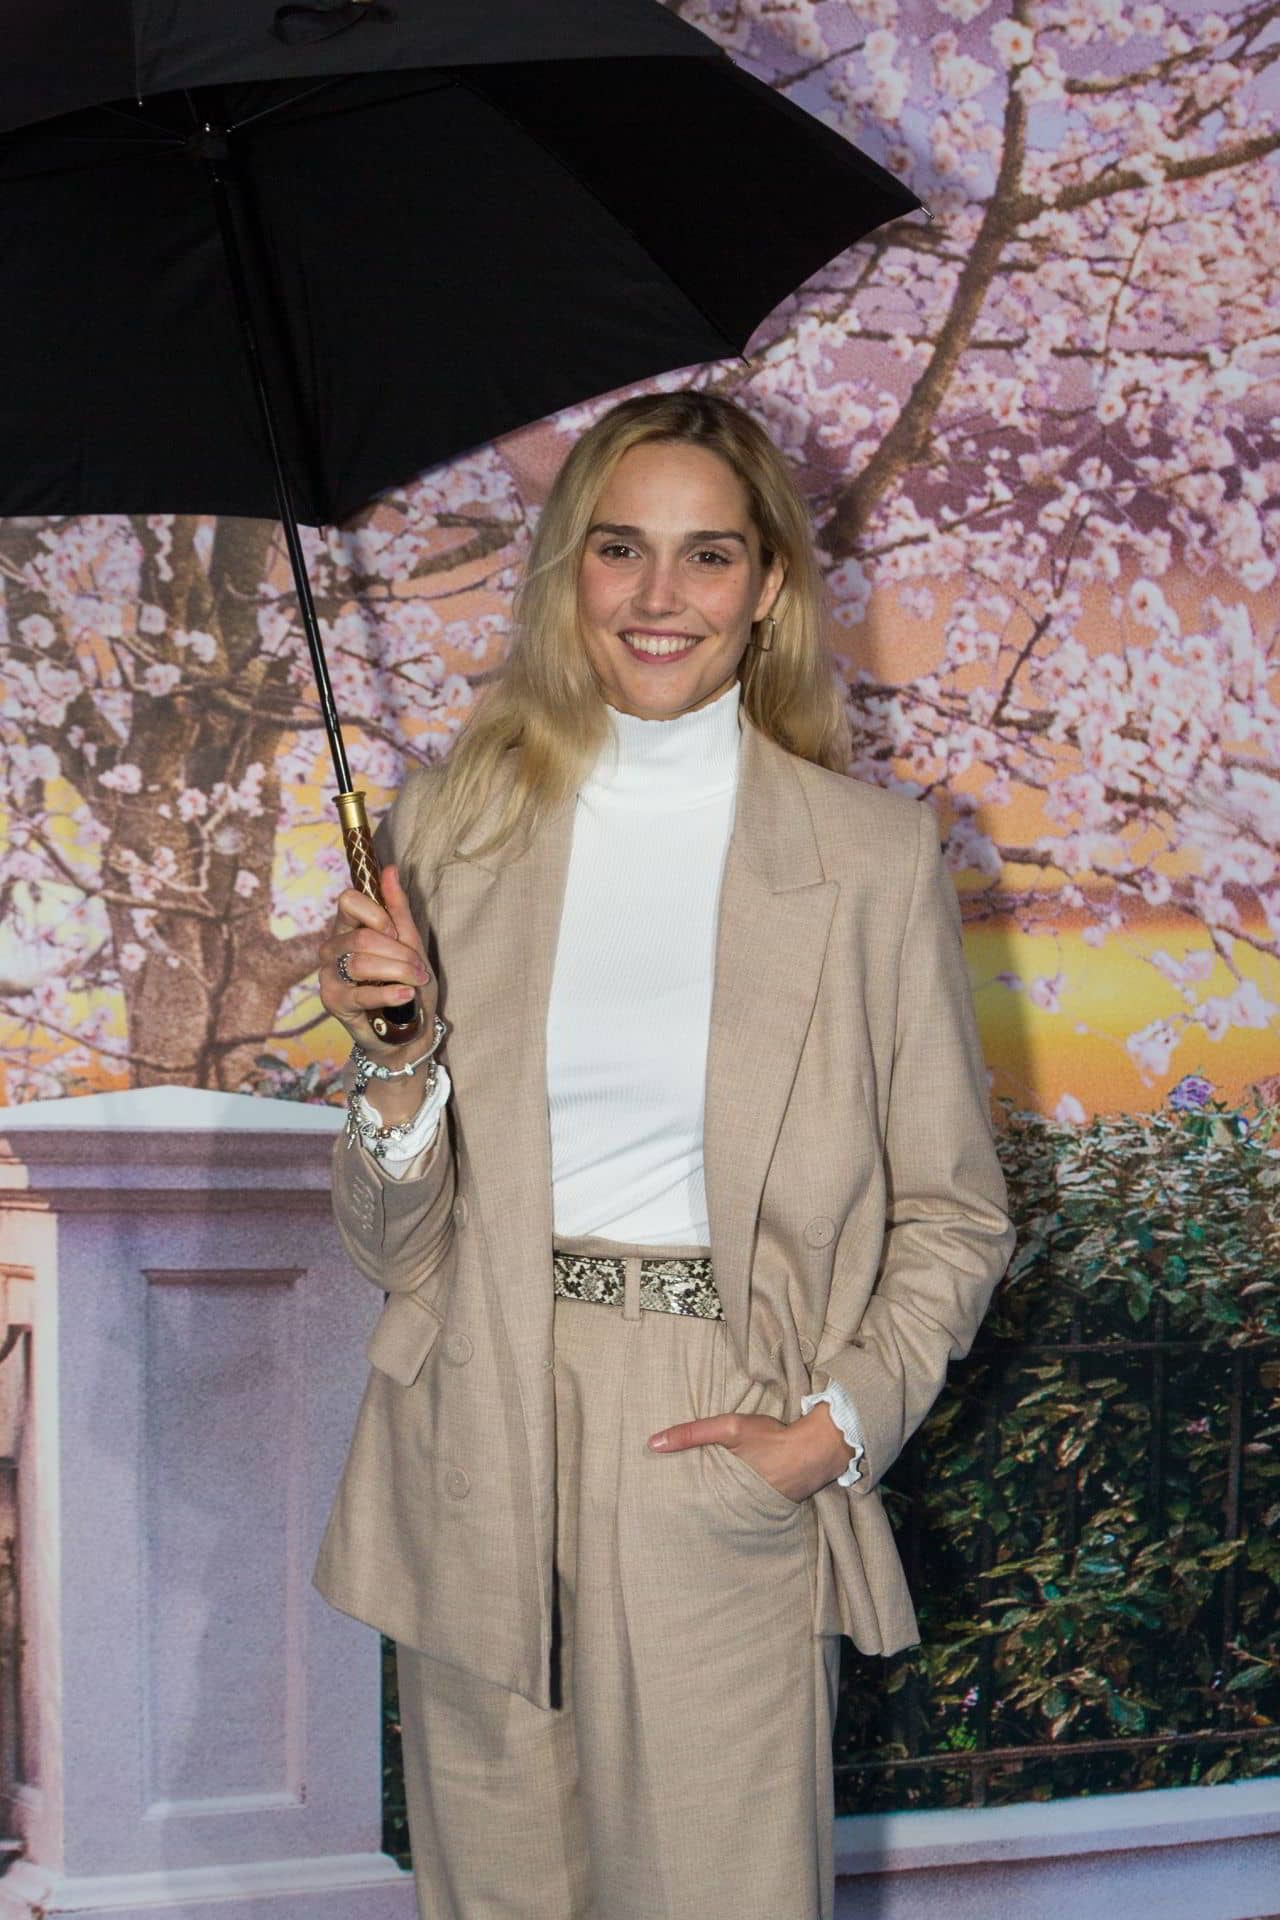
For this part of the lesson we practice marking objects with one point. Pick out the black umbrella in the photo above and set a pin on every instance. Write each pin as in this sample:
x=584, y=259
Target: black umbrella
x=237, y=253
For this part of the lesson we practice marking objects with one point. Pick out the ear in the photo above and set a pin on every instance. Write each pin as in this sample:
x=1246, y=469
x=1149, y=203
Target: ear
x=770, y=587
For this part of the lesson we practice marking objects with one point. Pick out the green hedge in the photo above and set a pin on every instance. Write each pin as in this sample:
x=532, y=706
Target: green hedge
x=1094, y=1532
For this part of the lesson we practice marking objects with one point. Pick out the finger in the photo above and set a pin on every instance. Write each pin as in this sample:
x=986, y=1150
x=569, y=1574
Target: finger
x=719, y=1430
x=358, y=910
x=368, y=954
x=382, y=993
x=404, y=972
x=398, y=907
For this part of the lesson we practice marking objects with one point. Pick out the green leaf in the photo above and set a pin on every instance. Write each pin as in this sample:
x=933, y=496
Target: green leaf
x=1126, y=1713
x=1251, y=1677
x=1100, y=1566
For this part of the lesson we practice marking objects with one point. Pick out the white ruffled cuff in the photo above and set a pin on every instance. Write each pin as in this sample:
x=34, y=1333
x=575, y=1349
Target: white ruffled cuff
x=845, y=1415
x=398, y=1156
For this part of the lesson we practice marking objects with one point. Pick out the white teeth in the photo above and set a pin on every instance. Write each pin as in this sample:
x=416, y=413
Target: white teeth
x=657, y=645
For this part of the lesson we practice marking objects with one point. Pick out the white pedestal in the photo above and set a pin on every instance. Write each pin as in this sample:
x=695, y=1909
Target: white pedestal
x=200, y=1732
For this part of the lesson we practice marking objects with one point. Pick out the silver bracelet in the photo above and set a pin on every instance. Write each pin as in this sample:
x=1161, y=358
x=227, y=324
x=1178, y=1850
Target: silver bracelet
x=367, y=1068
x=373, y=1138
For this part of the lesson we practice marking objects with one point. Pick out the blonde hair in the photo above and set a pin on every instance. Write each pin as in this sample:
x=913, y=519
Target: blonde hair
x=539, y=726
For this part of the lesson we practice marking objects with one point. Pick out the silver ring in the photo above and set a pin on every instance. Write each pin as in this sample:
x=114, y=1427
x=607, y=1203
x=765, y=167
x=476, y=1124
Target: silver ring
x=343, y=974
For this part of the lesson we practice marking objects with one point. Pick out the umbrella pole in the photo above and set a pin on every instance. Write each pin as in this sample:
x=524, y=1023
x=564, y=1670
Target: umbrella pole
x=395, y=1023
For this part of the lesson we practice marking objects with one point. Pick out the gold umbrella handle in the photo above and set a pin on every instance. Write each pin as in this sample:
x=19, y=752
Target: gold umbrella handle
x=400, y=1022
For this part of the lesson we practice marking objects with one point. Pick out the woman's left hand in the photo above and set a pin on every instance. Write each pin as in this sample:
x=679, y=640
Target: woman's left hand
x=795, y=1459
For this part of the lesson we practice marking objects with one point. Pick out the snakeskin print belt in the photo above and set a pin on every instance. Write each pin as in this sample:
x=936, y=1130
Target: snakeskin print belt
x=666, y=1286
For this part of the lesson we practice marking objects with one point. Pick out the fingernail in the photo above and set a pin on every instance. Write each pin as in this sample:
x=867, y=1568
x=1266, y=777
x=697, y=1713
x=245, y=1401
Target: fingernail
x=402, y=993
x=658, y=1442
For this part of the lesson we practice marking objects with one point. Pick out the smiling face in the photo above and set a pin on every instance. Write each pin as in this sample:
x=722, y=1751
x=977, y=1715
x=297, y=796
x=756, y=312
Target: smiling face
x=671, y=580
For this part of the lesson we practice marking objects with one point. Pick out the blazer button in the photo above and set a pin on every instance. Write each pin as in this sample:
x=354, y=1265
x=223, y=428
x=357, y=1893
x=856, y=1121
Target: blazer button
x=458, y=1349
x=456, y=1484
x=820, y=1232
x=808, y=1352
x=461, y=1211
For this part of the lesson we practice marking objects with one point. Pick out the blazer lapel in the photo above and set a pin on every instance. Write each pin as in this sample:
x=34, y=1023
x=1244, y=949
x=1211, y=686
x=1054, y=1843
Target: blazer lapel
x=776, y=909
x=497, y=924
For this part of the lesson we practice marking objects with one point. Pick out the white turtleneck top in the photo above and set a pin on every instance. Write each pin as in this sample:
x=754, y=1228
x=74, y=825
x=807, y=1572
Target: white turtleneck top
x=630, y=1008
x=629, y=1016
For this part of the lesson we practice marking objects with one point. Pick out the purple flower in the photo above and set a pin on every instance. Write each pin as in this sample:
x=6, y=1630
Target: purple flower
x=1192, y=1093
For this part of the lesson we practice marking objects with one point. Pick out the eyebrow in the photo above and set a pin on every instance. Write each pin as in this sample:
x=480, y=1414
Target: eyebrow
x=636, y=533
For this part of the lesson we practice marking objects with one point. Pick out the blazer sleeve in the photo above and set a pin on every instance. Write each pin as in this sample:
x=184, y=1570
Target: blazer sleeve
x=947, y=1233
x=398, y=1232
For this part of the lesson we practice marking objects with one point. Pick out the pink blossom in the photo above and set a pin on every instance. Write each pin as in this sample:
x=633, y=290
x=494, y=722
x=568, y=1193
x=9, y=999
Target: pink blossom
x=131, y=956
x=246, y=883
x=152, y=619
x=161, y=679
x=962, y=77
x=1165, y=963
x=1152, y=1048
x=1045, y=991
x=203, y=645
x=1249, y=1008
x=1069, y=1112
x=888, y=93
x=1014, y=43
x=1149, y=607
x=192, y=804
x=124, y=777
x=37, y=630
x=879, y=48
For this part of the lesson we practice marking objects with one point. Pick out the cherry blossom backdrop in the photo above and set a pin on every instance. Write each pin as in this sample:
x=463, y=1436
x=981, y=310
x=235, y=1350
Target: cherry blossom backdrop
x=1039, y=435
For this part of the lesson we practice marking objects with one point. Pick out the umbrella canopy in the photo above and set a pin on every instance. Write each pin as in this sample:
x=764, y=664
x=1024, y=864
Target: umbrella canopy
x=452, y=225
x=64, y=54
x=262, y=258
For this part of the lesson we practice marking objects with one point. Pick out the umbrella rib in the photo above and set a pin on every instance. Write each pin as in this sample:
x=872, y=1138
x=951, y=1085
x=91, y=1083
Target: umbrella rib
x=278, y=106
x=405, y=92
x=135, y=119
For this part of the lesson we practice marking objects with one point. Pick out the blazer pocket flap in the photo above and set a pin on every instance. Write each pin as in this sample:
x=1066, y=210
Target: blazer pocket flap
x=402, y=1339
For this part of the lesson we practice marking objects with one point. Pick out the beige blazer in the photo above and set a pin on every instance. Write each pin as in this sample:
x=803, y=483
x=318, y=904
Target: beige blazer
x=857, y=1210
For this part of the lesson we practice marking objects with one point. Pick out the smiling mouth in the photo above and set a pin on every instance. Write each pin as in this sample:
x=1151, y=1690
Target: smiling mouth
x=661, y=646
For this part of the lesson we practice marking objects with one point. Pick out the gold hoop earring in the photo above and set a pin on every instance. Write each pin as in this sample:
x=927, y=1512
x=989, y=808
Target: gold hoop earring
x=763, y=636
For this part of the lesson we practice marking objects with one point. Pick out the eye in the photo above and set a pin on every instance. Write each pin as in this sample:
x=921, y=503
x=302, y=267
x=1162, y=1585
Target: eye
x=711, y=556
x=615, y=550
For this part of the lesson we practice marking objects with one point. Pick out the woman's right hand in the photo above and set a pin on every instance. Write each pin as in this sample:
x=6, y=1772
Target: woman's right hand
x=387, y=961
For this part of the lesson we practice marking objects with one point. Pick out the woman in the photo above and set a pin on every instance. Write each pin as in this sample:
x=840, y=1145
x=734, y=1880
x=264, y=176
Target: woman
x=678, y=1247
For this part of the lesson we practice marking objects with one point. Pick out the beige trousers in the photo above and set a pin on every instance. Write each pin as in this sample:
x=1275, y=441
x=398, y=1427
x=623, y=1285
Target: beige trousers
x=686, y=1773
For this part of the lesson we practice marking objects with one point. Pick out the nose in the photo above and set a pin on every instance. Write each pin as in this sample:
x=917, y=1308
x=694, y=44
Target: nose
x=657, y=591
